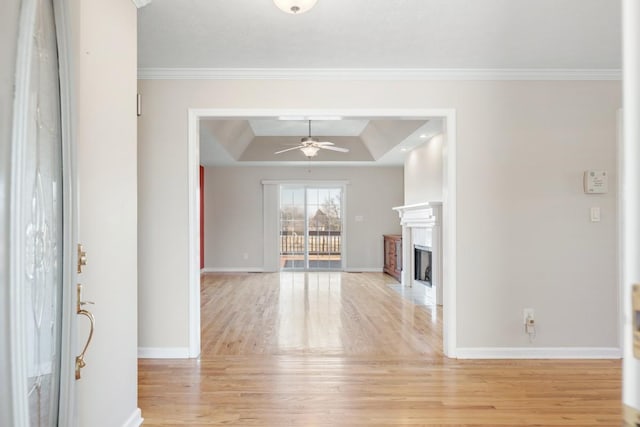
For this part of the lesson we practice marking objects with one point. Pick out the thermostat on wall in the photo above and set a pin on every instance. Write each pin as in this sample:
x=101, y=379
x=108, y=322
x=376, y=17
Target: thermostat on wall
x=595, y=182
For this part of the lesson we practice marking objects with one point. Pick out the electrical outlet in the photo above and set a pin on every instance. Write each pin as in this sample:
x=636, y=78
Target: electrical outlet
x=245, y=255
x=528, y=315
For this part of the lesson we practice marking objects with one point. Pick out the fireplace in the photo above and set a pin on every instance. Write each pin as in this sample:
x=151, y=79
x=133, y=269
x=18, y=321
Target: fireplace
x=422, y=246
x=422, y=263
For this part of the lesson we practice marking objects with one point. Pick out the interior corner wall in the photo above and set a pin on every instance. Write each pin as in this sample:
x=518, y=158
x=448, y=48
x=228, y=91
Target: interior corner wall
x=423, y=172
x=524, y=238
x=234, y=212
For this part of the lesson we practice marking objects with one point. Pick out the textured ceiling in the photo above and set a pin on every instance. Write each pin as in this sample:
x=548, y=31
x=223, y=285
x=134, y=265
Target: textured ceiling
x=471, y=34
x=367, y=34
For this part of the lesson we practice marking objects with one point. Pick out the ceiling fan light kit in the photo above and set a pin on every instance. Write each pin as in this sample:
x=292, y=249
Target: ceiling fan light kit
x=310, y=150
x=310, y=146
x=295, y=7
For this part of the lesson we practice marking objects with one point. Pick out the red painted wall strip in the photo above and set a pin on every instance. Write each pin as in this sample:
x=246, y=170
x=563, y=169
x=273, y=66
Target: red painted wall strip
x=201, y=217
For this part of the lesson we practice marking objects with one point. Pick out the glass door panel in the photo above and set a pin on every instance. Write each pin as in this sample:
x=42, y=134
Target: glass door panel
x=37, y=191
x=311, y=228
x=292, y=228
x=324, y=206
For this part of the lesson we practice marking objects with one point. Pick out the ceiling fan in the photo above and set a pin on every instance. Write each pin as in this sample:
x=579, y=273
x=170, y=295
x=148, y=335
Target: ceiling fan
x=310, y=146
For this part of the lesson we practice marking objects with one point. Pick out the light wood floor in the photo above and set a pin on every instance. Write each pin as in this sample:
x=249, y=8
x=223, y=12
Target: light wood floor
x=343, y=349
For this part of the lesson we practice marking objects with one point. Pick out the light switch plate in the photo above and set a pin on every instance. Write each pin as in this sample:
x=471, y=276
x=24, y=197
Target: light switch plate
x=595, y=214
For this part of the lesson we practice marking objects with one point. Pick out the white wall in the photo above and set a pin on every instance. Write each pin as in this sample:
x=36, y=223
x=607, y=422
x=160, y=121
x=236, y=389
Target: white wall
x=423, y=172
x=106, y=63
x=234, y=212
x=523, y=233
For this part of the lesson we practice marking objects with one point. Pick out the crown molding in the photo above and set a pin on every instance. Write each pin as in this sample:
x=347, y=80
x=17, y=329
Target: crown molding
x=374, y=73
x=141, y=3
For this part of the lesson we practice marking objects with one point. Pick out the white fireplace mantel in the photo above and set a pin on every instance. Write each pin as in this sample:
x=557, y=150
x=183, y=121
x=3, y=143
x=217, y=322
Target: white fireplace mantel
x=420, y=215
x=422, y=225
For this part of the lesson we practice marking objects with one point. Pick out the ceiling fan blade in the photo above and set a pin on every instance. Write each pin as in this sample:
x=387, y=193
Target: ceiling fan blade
x=340, y=149
x=289, y=149
x=320, y=143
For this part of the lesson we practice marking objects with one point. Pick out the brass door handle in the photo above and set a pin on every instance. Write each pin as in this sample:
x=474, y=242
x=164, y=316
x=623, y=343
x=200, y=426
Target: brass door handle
x=80, y=363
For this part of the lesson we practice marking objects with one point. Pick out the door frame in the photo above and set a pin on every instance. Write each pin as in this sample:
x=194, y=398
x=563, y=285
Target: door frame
x=68, y=415
x=449, y=201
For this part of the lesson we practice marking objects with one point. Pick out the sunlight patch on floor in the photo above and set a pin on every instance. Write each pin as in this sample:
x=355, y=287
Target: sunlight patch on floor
x=418, y=294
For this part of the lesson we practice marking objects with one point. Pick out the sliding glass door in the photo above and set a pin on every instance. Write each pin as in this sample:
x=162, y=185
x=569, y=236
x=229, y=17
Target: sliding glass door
x=324, y=228
x=311, y=224
x=293, y=228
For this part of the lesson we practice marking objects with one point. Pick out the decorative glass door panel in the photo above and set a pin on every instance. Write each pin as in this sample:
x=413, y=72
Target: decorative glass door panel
x=311, y=228
x=37, y=220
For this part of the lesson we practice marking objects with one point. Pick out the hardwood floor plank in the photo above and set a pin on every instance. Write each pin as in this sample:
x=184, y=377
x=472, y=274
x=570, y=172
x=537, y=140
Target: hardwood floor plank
x=340, y=349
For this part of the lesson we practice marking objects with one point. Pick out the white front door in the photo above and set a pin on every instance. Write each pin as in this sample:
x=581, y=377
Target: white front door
x=39, y=309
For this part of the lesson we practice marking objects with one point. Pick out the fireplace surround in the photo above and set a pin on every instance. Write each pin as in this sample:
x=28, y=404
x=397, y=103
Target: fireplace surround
x=422, y=227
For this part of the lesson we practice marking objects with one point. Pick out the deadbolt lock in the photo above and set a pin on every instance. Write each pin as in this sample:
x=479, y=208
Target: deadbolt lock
x=82, y=257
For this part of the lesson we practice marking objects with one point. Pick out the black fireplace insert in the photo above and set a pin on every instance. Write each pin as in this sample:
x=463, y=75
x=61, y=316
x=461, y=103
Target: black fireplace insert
x=422, y=262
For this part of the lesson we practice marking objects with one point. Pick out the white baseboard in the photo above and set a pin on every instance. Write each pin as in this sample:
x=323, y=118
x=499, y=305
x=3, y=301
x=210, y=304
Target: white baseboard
x=262, y=270
x=538, y=353
x=135, y=420
x=232, y=270
x=163, y=352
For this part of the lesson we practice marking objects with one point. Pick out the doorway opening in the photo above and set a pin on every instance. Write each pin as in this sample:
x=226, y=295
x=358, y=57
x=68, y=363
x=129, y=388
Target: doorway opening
x=311, y=224
x=448, y=117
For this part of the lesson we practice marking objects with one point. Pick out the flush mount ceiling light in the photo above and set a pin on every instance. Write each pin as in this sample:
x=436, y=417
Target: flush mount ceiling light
x=295, y=7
